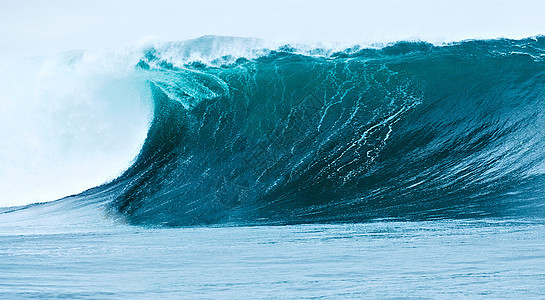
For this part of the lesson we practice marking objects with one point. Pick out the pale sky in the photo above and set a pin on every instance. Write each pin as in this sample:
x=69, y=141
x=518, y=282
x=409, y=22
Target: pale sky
x=33, y=27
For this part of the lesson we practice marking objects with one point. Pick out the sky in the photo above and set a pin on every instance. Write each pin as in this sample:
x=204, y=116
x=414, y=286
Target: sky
x=37, y=27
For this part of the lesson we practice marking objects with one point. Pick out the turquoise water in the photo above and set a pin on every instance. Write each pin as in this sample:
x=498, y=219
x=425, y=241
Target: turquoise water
x=409, y=131
x=432, y=259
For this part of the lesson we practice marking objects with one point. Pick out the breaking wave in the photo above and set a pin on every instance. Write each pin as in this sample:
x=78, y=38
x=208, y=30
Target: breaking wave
x=246, y=133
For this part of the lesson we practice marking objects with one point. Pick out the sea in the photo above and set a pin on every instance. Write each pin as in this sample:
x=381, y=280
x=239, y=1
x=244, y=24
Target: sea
x=407, y=170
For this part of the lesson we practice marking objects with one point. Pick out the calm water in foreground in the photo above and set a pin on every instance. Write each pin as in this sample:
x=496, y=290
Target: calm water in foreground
x=434, y=259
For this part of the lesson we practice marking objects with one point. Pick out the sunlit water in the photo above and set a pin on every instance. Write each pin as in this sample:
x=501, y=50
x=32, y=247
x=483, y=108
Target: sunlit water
x=104, y=260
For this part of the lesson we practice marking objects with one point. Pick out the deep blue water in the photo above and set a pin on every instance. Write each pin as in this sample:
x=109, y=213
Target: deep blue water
x=409, y=131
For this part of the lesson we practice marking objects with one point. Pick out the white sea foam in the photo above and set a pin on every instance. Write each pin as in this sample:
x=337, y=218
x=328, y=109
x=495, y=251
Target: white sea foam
x=68, y=123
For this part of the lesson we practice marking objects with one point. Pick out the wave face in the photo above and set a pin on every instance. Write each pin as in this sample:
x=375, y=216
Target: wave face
x=407, y=131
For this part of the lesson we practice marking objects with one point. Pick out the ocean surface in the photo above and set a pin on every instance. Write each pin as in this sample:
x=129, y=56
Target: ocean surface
x=407, y=170
x=383, y=259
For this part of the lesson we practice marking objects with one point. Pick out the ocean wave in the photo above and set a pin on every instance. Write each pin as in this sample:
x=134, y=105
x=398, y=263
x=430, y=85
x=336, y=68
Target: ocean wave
x=247, y=132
